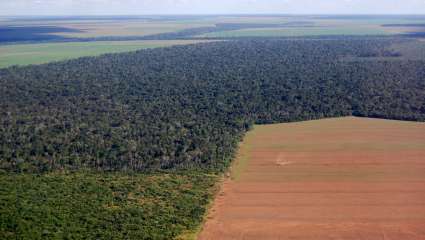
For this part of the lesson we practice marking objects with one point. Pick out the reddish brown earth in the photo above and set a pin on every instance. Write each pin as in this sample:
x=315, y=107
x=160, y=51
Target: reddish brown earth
x=346, y=178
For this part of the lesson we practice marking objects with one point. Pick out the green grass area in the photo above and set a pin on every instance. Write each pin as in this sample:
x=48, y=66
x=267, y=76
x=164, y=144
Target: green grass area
x=103, y=205
x=25, y=54
x=371, y=20
x=243, y=155
x=300, y=31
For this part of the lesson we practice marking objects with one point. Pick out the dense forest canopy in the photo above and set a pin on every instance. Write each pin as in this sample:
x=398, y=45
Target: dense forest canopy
x=188, y=106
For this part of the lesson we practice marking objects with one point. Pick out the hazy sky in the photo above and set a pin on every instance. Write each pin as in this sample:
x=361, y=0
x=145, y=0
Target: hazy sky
x=88, y=7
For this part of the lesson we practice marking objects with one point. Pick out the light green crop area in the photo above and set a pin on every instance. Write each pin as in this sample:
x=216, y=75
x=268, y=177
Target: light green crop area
x=25, y=54
x=300, y=31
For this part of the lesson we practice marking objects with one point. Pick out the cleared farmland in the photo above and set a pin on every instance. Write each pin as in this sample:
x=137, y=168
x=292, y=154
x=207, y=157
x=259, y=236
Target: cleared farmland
x=25, y=54
x=86, y=28
x=300, y=31
x=129, y=28
x=345, y=178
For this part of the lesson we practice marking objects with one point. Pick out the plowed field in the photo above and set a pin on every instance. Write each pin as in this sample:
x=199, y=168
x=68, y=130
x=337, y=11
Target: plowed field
x=344, y=178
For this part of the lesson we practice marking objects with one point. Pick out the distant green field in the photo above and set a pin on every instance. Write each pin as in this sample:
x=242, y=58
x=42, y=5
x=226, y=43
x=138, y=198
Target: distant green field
x=25, y=54
x=299, y=31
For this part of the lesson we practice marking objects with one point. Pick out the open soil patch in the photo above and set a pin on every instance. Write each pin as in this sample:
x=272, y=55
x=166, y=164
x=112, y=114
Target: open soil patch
x=345, y=178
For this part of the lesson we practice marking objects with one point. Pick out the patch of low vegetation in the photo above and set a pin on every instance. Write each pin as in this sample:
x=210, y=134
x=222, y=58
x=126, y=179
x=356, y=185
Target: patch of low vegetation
x=299, y=32
x=88, y=205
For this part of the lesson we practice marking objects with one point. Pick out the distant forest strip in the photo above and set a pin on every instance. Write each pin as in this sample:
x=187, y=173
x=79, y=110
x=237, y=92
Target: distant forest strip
x=188, y=107
x=37, y=34
x=414, y=30
x=405, y=25
x=32, y=33
x=12, y=34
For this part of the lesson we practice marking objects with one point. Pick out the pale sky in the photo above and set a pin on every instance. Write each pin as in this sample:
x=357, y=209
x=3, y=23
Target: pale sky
x=141, y=7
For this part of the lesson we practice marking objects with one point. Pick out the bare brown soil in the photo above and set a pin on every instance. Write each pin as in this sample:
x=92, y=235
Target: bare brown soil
x=346, y=178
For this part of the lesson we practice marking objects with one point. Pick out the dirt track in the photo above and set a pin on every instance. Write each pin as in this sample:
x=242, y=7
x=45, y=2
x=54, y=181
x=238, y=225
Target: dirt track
x=347, y=178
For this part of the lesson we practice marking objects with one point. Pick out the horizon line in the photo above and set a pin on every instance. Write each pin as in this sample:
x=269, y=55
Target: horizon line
x=217, y=14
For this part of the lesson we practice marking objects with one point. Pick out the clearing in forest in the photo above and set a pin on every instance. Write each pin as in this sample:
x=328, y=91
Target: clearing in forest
x=39, y=53
x=343, y=178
